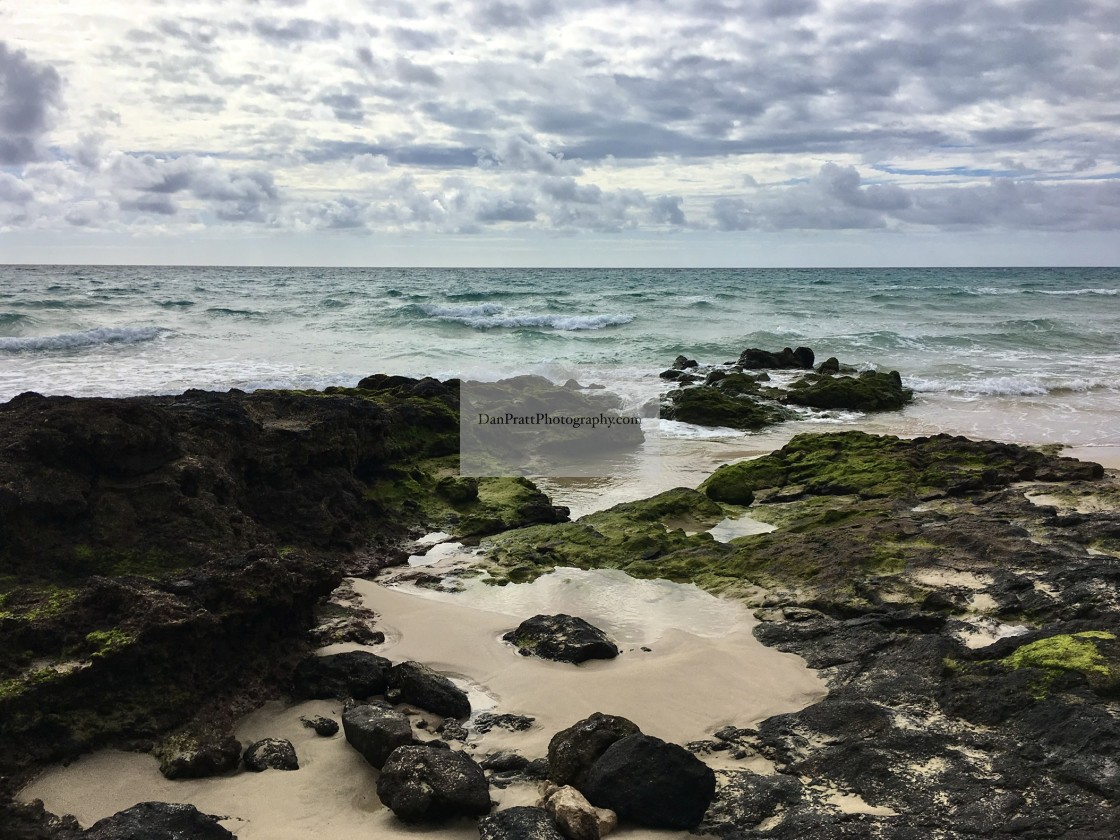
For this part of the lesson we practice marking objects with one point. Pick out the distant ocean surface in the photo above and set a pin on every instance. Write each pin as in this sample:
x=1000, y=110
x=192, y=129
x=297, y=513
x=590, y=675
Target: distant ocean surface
x=1015, y=354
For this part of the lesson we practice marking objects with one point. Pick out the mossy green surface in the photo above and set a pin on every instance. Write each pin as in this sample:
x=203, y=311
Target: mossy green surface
x=35, y=602
x=869, y=391
x=876, y=466
x=105, y=642
x=712, y=406
x=1079, y=653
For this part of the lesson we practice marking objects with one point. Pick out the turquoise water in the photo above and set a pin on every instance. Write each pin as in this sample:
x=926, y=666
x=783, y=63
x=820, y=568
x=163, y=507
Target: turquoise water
x=1036, y=346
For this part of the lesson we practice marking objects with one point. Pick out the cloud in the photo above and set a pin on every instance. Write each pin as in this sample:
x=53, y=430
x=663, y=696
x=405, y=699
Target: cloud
x=30, y=97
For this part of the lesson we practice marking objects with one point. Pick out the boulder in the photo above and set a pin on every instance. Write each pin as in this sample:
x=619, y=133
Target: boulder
x=711, y=406
x=684, y=363
x=271, y=754
x=421, y=686
x=358, y=674
x=577, y=818
x=419, y=783
x=158, y=821
x=573, y=751
x=651, y=782
x=755, y=359
x=375, y=732
x=186, y=757
x=520, y=823
x=503, y=761
x=563, y=638
x=323, y=726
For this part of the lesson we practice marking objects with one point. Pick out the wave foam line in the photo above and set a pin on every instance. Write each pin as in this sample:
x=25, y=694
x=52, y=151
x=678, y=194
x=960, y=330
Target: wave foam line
x=1007, y=386
x=77, y=340
x=490, y=316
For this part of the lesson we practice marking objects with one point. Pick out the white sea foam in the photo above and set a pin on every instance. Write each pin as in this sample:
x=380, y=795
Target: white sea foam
x=1006, y=386
x=78, y=340
x=1078, y=292
x=488, y=316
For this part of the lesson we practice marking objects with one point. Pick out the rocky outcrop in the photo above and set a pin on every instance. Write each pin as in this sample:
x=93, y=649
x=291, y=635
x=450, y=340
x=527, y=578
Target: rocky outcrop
x=158, y=821
x=869, y=391
x=356, y=674
x=562, y=638
x=573, y=751
x=522, y=822
x=416, y=683
x=425, y=784
x=376, y=732
x=271, y=754
x=651, y=782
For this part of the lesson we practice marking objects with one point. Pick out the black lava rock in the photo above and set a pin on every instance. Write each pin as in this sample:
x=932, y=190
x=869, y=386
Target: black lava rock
x=421, y=686
x=271, y=754
x=573, y=751
x=375, y=732
x=563, y=638
x=419, y=783
x=520, y=823
x=323, y=726
x=358, y=674
x=158, y=821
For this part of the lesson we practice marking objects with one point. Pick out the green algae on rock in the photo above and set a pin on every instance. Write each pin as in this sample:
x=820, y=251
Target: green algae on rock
x=714, y=406
x=869, y=391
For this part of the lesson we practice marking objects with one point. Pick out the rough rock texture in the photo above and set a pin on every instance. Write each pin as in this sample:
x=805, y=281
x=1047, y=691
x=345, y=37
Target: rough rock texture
x=424, y=784
x=324, y=727
x=577, y=818
x=869, y=391
x=161, y=557
x=186, y=757
x=419, y=685
x=895, y=568
x=522, y=822
x=755, y=359
x=651, y=782
x=375, y=732
x=573, y=751
x=354, y=674
x=158, y=821
x=271, y=754
x=563, y=638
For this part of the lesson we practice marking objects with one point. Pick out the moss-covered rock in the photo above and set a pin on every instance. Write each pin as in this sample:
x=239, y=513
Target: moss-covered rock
x=1090, y=653
x=869, y=391
x=722, y=405
x=881, y=466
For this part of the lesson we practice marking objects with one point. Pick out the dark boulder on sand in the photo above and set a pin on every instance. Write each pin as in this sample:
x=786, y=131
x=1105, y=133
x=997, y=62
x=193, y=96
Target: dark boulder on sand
x=573, y=751
x=651, y=782
x=522, y=822
x=415, y=683
x=562, y=638
x=271, y=754
x=324, y=727
x=357, y=674
x=716, y=405
x=187, y=757
x=423, y=784
x=158, y=821
x=375, y=732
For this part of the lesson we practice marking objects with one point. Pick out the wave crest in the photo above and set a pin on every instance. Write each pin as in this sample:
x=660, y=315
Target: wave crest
x=492, y=316
x=79, y=340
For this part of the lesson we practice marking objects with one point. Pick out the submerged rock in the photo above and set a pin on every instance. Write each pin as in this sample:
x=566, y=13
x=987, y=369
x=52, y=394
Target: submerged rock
x=376, y=732
x=562, y=638
x=421, y=686
x=158, y=821
x=522, y=822
x=424, y=784
x=271, y=754
x=651, y=782
x=573, y=751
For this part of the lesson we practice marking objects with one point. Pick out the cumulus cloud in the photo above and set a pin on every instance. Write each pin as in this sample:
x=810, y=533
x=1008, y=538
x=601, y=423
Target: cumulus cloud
x=30, y=96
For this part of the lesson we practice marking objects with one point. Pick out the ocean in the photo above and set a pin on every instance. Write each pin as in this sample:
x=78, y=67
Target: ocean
x=1027, y=355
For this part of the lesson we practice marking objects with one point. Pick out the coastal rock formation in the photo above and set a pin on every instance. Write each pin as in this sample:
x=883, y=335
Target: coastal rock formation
x=755, y=359
x=271, y=754
x=562, y=638
x=522, y=822
x=573, y=751
x=158, y=821
x=425, y=784
x=727, y=397
x=186, y=757
x=376, y=732
x=416, y=683
x=356, y=674
x=651, y=782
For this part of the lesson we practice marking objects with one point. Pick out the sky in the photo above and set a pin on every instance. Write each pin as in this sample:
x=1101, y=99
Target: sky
x=560, y=132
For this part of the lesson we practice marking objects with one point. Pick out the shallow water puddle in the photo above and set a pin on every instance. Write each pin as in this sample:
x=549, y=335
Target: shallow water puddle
x=744, y=526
